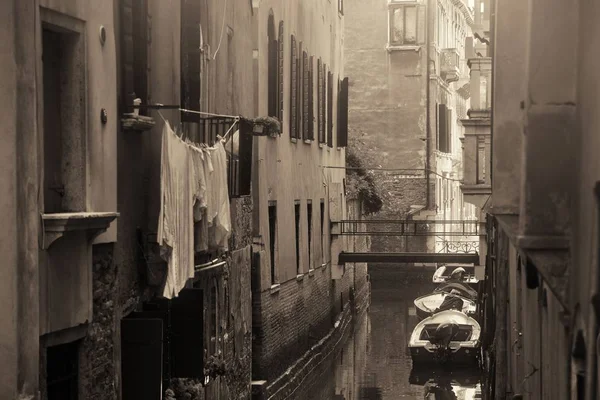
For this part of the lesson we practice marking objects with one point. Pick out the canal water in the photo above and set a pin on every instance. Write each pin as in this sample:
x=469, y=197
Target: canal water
x=374, y=362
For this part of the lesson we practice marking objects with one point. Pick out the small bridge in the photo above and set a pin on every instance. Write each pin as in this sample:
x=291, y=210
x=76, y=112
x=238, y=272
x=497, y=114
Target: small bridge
x=459, y=251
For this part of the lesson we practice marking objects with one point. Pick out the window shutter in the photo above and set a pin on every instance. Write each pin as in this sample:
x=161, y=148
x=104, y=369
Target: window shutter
x=449, y=131
x=329, y=109
x=311, y=100
x=141, y=357
x=319, y=100
x=190, y=59
x=280, y=72
x=272, y=68
x=342, y=126
x=245, y=159
x=421, y=24
x=293, y=89
x=187, y=334
x=299, y=93
x=442, y=128
x=306, y=97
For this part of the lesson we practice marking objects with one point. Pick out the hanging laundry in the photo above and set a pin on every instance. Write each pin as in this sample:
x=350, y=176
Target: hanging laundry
x=175, y=226
x=222, y=219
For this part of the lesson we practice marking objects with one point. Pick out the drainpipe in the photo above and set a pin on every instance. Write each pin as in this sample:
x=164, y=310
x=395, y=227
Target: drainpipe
x=428, y=122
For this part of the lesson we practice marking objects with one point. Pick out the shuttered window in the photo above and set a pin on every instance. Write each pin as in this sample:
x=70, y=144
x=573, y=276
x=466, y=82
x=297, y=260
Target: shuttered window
x=299, y=93
x=329, y=109
x=190, y=59
x=311, y=100
x=342, y=117
x=293, y=89
x=320, y=116
x=443, y=130
x=272, y=67
x=305, y=97
x=280, y=72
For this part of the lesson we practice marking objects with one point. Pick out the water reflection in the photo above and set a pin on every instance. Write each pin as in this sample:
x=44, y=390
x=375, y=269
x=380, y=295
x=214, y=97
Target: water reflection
x=375, y=363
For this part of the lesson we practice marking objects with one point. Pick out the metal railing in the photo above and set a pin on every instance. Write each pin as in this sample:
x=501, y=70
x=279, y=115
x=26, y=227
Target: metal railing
x=409, y=228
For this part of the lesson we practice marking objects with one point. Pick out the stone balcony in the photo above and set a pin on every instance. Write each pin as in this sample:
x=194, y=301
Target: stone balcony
x=450, y=65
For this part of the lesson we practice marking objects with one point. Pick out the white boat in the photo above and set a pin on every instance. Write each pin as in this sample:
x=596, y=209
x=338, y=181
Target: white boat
x=443, y=274
x=430, y=303
x=446, y=337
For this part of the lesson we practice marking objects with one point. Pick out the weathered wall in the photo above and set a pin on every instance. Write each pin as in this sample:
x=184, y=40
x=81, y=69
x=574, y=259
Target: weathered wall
x=387, y=89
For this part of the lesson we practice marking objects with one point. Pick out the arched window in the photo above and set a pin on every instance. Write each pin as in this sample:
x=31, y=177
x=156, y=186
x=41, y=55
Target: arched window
x=272, y=67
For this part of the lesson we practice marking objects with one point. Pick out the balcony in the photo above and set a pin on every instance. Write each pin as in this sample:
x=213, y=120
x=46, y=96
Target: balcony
x=450, y=65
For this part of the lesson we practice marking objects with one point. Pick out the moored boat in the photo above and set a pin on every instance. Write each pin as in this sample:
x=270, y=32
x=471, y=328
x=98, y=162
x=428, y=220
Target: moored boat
x=455, y=273
x=435, y=302
x=446, y=337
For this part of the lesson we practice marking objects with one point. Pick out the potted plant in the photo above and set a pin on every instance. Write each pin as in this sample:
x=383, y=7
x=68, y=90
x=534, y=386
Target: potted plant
x=266, y=126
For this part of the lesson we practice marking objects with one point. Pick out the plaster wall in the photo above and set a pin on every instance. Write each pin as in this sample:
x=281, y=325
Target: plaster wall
x=9, y=204
x=509, y=70
x=289, y=170
x=387, y=89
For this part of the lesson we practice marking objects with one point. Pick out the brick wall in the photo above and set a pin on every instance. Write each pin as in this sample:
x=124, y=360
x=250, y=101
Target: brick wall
x=290, y=320
x=98, y=362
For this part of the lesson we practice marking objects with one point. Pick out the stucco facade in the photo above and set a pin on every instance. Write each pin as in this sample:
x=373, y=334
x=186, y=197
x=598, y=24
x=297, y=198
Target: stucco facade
x=545, y=200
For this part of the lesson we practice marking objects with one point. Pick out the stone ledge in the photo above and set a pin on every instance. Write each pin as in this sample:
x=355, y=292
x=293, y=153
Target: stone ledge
x=139, y=123
x=56, y=225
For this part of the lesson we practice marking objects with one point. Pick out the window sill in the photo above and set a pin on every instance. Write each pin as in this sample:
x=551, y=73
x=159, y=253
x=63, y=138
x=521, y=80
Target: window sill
x=395, y=47
x=300, y=277
x=293, y=140
x=321, y=145
x=275, y=288
x=311, y=272
x=308, y=141
x=57, y=224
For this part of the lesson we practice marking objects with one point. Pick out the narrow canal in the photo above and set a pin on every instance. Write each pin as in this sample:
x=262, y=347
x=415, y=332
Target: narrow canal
x=374, y=362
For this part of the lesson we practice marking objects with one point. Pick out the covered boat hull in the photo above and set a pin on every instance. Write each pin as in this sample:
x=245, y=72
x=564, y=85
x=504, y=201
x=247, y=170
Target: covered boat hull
x=429, y=303
x=462, y=345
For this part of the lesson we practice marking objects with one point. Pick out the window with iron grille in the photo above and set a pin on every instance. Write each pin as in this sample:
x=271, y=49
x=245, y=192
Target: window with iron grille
x=306, y=96
x=273, y=239
x=329, y=109
x=297, y=226
x=280, y=72
x=309, y=221
x=293, y=89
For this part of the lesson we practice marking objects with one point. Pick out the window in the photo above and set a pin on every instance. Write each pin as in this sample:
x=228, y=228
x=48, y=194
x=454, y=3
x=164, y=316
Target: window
x=444, y=116
x=293, y=89
x=135, y=48
x=280, y=73
x=212, y=349
x=305, y=97
x=322, y=231
x=299, y=93
x=190, y=59
x=272, y=67
x=64, y=127
x=342, y=114
x=406, y=24
x=329, y=109
x=62, y=366
x=297, y=220
x=320, y=101
x=273, y=238
x=309, y=221
x=311, y=101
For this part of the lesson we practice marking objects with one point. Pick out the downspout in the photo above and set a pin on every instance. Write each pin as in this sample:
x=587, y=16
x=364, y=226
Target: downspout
x=428, y=101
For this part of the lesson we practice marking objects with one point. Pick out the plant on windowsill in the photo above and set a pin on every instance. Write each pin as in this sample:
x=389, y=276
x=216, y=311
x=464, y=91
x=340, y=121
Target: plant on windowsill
x=266, y=126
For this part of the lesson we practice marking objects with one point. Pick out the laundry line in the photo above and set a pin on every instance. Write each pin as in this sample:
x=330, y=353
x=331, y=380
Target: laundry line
x=160, y=106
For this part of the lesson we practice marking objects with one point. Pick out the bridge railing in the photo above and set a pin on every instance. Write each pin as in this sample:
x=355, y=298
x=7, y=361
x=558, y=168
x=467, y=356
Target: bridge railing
x=408, y=228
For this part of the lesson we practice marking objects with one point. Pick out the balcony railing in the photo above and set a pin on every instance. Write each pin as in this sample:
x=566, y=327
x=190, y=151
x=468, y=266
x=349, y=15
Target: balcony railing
x=450, y=64
x=238, y=147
